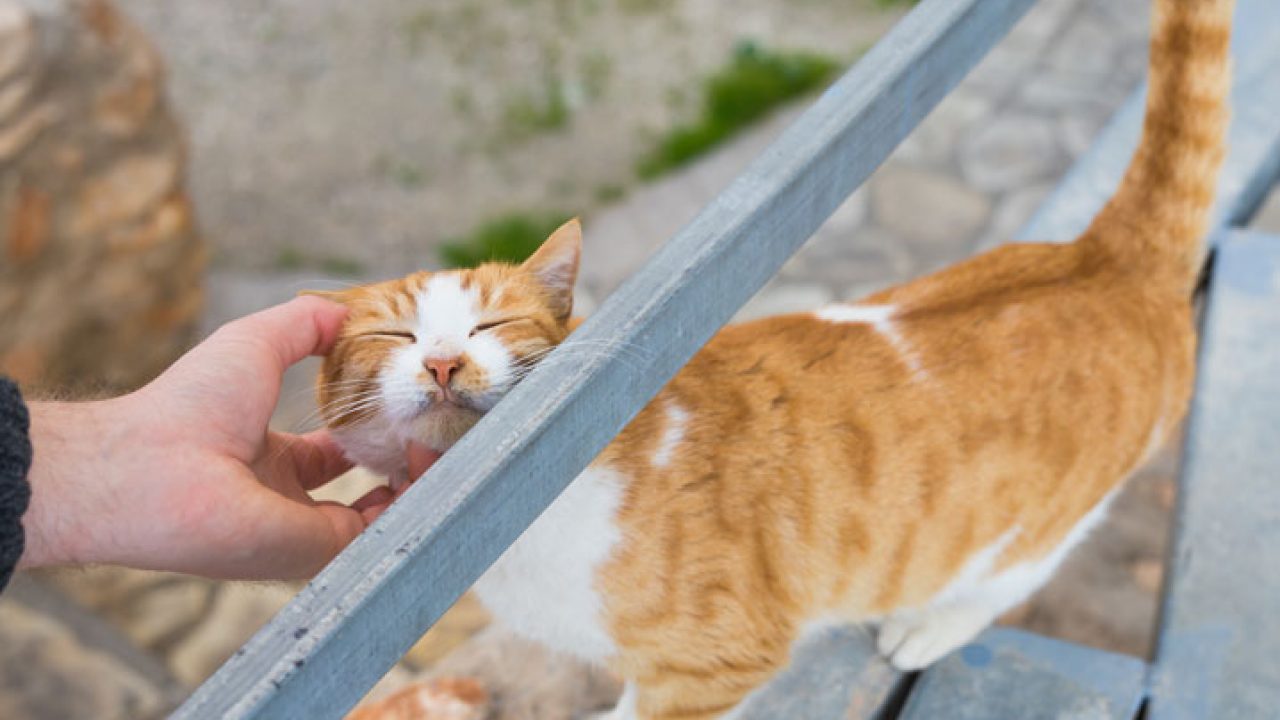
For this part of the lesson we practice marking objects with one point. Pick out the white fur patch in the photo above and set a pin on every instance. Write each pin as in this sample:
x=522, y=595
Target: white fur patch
x=1017, y=583
x=402, y=394
x=1014, y=584
x=1155, y=441
x=377, y=445
x=870, y=314
x=543, y=586
x=672, y=434
x=446, y=315
x=978, y=568
x=489, y=353
x=879, y=317
x=915, y=637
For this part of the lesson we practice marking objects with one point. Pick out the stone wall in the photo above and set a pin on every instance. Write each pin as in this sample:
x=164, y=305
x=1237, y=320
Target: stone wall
x=100, y=261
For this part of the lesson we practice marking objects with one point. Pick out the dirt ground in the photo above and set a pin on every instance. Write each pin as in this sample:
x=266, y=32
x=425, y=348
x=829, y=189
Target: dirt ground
x=362, y=134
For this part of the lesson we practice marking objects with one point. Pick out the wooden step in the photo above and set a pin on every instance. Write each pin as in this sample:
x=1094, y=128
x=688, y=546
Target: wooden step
x=1009, y=673
x=1219, y=645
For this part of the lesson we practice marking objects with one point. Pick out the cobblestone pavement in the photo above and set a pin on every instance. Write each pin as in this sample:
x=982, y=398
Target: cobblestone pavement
x=965, y=181
x=969, y=176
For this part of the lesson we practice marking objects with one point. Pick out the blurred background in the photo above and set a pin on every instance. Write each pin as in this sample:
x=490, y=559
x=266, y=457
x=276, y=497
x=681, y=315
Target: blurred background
x=166, y=166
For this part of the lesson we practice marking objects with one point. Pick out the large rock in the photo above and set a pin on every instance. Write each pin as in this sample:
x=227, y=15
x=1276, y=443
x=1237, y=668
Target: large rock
x=59, y=661
x=46, y=672
x=100, y=277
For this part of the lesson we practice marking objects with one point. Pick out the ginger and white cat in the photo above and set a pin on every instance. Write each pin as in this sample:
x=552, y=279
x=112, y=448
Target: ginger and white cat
x=924, y=458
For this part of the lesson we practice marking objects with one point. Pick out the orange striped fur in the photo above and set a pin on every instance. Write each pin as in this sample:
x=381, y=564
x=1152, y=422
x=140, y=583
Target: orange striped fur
x=922, y=458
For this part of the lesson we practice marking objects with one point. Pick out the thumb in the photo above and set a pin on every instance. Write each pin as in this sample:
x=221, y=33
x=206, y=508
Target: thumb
x=249, y=356
x=303, y=326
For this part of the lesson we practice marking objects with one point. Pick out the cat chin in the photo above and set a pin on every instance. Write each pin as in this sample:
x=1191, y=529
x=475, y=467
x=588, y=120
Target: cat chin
x=442, y=426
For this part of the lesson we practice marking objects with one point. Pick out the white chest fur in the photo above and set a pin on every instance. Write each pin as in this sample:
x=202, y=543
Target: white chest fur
x=543, y=587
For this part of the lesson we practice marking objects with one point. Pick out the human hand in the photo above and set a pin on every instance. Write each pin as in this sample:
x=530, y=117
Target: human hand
x=184, y=475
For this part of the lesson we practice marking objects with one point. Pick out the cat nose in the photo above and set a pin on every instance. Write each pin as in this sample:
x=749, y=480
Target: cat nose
x=443, y=368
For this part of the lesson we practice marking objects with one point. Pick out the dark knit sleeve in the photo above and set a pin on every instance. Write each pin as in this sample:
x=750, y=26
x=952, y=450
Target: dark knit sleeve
x=15, y=460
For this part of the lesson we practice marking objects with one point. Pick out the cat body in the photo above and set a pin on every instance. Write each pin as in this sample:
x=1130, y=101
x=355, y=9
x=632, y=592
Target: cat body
x=866, y=462
x=923, y=459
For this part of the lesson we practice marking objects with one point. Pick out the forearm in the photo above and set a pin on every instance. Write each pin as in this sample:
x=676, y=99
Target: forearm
x=15, y=460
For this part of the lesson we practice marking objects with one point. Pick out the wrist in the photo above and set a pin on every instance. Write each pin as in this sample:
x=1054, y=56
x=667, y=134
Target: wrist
x=74, y=451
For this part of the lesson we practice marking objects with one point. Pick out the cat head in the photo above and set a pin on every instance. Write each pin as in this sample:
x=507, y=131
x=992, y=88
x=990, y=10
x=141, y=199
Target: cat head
x=430, y=353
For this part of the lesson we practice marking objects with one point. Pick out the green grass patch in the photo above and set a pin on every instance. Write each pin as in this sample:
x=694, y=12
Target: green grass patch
x=289, y=258
x=530, y=114
x=349, y=267
x=644, y=7
x=416, y=27
x=755, y=82
x=404, y=173
x=609, y=192
x=292, y=259
x=510, y=238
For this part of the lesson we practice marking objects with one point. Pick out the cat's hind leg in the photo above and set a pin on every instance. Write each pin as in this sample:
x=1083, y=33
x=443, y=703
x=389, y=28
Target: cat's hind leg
x=913, y=638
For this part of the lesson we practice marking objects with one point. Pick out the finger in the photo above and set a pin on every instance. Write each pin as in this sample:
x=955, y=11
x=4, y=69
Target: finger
x=295, y=541
x=373, y=512
x=314, y=458
x=301, y=327
x=380, y=495
x=419, y=459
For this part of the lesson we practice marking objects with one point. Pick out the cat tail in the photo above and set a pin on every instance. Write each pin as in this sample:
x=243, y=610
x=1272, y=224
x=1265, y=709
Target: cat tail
x=1156, y=222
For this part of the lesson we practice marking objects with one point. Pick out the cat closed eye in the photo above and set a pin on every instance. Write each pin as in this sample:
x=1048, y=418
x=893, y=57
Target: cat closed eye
x=391, y=335
x=491, y=325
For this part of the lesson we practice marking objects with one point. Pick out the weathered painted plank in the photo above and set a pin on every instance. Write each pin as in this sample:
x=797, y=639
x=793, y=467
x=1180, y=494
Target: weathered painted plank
x=351, y=623
x=835, y=673
x=1253, y=160
x=1008, y=673
x=1219, y=647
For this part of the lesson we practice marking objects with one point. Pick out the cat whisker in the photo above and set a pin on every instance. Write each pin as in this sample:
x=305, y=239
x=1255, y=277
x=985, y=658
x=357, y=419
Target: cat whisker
x=346, y=405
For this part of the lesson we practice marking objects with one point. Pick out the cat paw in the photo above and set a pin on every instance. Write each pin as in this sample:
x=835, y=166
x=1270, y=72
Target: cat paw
x=912, y=641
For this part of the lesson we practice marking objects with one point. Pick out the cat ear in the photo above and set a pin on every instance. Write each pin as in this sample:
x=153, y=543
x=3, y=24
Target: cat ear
x=555, y=265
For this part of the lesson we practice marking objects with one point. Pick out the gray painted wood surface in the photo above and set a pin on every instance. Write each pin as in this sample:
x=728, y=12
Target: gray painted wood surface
x=1253, y=159
x=1219, y=646
x=834, y=673
x=350, y=625
x=1008, y=673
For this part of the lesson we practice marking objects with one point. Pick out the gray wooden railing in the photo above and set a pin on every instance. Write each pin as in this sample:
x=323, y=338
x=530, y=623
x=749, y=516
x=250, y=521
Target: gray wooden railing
x=322, y=652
